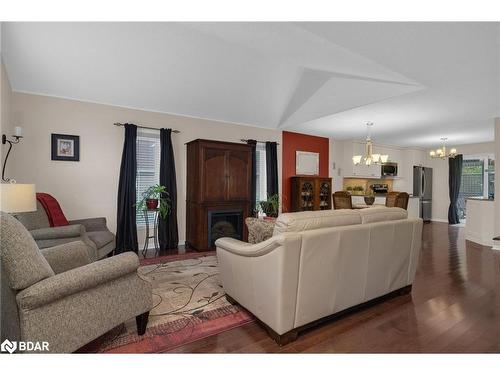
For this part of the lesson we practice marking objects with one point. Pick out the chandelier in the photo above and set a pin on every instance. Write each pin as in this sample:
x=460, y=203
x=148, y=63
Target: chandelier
x=369, y=158
x=441, y=153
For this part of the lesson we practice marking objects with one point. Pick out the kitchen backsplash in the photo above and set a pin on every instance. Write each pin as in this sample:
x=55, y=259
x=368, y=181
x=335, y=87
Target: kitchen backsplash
x=361, y=186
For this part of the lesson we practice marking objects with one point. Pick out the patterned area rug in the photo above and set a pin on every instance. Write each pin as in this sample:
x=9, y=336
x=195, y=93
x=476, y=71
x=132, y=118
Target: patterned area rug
x=189, y=304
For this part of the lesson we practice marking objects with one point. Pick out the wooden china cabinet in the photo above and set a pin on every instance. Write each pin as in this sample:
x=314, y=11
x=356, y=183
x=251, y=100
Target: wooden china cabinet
x=311, y=193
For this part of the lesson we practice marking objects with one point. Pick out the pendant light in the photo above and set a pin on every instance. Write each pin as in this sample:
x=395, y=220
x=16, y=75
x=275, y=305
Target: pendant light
x=369, y=158
x=441, y=153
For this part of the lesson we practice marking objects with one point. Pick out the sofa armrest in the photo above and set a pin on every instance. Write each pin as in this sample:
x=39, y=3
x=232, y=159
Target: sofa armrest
x=246, y=249
x=77, y=280
x=67, y=256
x=66, y=231
x=93, y=224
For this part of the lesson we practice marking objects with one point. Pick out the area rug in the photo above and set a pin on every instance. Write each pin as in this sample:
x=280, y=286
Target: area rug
x=189, y=304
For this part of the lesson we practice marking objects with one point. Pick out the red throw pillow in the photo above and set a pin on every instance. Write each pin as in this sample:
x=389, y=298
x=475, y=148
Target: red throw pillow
x=53, y=210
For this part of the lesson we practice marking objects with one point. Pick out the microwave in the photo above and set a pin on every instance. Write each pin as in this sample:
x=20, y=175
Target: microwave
x=389, y=170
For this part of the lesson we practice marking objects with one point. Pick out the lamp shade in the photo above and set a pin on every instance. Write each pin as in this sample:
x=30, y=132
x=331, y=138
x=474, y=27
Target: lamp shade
x=17, y=198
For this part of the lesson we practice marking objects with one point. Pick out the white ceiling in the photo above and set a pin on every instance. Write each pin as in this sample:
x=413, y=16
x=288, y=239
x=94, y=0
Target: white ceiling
x=416, y=81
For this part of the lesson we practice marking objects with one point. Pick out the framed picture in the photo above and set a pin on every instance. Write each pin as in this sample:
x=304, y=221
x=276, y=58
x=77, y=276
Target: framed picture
x=65, y=147
x=306, y=163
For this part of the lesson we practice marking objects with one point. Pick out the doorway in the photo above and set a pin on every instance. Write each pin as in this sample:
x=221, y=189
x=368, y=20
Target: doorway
x=478, y=180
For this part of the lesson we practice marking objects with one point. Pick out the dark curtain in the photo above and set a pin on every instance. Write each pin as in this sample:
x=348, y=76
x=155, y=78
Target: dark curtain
x=455, y=177
x=168, y=235
x=272, y=168
x=126, y=228
x=253, y=143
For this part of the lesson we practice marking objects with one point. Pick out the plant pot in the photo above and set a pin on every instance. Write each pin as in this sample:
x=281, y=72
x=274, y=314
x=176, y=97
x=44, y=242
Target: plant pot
x=152, y=204
x=369, y=200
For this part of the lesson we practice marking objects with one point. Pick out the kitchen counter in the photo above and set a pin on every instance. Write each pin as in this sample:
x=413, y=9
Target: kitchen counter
x=479, y=224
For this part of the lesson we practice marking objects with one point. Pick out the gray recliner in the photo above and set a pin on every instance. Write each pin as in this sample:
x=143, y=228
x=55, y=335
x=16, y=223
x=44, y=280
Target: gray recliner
x=57, y=295
x=93, y=232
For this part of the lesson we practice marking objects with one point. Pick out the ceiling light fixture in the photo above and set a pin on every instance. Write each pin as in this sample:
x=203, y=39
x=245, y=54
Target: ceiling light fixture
x=441, y=153
x=369, y=158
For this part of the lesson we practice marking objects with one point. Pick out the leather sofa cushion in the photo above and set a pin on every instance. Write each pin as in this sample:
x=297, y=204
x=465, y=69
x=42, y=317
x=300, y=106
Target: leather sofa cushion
x=307, y=220
x=377, y=214
x=101, y=237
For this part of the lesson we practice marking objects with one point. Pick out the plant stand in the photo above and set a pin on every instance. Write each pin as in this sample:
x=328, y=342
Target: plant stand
x=154, y=236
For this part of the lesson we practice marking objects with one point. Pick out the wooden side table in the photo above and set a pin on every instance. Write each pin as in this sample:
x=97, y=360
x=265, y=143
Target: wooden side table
x=154, y=236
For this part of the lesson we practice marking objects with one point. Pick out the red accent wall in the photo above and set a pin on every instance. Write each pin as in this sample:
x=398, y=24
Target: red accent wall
x=292, y=142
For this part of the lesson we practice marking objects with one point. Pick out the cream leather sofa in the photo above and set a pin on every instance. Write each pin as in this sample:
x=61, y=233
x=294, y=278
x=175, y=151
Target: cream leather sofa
x=320, y=263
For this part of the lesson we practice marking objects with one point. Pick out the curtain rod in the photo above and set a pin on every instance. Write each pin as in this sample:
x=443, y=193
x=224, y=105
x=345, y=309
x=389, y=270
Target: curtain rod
x=145, y=127
x=245, y=140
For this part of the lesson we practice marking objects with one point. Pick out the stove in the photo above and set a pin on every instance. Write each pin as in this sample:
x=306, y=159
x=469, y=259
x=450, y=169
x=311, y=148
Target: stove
x=380, y=188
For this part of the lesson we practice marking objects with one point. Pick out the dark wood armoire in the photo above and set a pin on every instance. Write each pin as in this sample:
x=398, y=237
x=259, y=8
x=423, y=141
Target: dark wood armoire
x=218, y=191
x=310, y=193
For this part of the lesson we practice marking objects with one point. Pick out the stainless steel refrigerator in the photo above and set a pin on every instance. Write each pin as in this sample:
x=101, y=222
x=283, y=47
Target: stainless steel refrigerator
x=422, y=188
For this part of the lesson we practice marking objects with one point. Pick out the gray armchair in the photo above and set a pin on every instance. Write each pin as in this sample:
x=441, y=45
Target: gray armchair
x=59, y=296
x=93, y=232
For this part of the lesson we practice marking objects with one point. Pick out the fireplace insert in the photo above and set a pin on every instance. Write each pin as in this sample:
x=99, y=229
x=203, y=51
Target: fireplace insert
x=224, y=223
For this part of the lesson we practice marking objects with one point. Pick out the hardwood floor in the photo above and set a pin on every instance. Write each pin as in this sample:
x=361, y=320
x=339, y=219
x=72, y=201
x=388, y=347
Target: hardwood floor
x=454, y=308
x=151, y=252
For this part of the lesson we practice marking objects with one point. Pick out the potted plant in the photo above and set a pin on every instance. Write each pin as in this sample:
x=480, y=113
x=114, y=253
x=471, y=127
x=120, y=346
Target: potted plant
x=349, y=189
x=155, y=197
x=358, y=190
x=270, y=206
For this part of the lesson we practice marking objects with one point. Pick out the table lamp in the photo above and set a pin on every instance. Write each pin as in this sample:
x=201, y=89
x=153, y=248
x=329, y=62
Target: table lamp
x=17, y=198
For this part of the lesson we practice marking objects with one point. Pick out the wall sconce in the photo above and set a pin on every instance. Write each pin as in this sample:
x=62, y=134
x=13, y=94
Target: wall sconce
x=15, y=139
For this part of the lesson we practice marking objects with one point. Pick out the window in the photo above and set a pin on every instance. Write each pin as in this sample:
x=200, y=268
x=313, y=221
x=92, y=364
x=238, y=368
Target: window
x=491, y=178
x=478, y=175
x=261, y=193
x=148, y=166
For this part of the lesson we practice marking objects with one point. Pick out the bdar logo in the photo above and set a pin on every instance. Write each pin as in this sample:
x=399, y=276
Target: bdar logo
x=8, y=346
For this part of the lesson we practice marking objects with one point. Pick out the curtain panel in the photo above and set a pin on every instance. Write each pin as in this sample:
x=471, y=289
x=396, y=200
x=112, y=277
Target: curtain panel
x=126, y=229
x=454, y=180
x=253, y=143
x=168, y=234
x=272, y=168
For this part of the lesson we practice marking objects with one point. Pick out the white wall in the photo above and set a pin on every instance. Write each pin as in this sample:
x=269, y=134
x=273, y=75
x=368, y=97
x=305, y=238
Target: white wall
x=89, y=188
x=497, y=182
x=440, y=191
x=335, y=158
x=6, y=126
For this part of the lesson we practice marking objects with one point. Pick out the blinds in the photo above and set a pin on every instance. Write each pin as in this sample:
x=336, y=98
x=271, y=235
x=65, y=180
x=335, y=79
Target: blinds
x=261, y=193
x=148, y=166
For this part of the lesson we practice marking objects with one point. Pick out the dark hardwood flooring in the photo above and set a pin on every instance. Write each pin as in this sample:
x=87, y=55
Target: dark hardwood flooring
x=454, y=308
x=151, y=253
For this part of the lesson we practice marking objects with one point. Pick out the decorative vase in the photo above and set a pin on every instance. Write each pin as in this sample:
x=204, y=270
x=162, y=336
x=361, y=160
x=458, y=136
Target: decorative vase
x=369, y=200
x=152, y=204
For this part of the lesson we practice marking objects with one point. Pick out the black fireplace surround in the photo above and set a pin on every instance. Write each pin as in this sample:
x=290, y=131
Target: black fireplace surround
x=224, y=223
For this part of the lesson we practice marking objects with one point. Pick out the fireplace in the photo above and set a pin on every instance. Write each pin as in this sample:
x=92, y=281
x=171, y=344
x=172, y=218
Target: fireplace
x=218, y=192
x=224, y=223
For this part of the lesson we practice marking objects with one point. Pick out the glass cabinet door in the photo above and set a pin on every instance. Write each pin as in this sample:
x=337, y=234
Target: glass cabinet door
x=307, y=195
x=324, y=195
